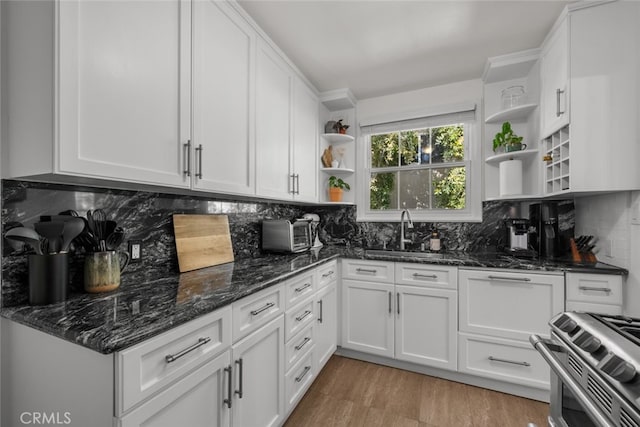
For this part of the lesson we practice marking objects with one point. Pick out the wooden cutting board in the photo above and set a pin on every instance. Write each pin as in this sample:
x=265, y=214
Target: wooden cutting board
x=202, y=241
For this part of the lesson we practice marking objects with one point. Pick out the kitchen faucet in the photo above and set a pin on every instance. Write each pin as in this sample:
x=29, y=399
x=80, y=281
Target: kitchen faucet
x=410, y=225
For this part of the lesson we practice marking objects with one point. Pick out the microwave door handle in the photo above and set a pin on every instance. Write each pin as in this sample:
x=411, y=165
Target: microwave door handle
x=544, y=347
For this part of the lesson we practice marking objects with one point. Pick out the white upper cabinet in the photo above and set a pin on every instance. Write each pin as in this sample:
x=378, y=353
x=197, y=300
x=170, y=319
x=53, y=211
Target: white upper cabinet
x=554, y=75
x=109, y=100
x=605, y=97
x=286, y=130
x=305, y=142
x=273, y=124
x=223, y=141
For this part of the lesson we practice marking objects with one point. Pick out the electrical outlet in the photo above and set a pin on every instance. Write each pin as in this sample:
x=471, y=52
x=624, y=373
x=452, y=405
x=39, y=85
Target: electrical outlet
x=135, y=250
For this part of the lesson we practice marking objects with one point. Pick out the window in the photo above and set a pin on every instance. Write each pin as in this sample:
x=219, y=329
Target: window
x=427, y=165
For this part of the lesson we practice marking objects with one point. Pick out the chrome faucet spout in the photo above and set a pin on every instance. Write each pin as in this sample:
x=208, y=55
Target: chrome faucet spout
x=403, y=240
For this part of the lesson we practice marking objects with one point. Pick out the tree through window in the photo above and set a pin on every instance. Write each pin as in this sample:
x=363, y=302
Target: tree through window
x=418, y=169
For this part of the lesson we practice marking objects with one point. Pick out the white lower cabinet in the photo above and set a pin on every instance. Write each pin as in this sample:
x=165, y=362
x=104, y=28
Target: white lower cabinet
x=326, y=327
x=598, y=293
x=415, y=322
x=258, y=369
x=426, y=326
x=499, y=310
x=201, y=399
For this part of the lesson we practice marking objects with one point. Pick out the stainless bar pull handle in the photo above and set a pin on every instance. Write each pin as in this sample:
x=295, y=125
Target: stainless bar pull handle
x=301, y=318
x=328, y=274
x=292, y=184
x=589, y=288
x=199, y=155
x=425, y=276
x=515, y=279
x=302, y=288
x=398, y=302
x=227, y=401
x=239, y=391
x=302, y=344
x=366, y=270
x=306, y=369
x=260, y=310
x=297, y=182
x=320, y=318
x=389, y=302
x=544, y=348
x=513, y=362
x=173, y=357
x=186, y=170
x=558, y=93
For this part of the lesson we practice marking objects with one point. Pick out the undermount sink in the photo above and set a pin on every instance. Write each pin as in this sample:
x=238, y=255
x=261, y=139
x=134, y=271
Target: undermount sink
x=404, y=254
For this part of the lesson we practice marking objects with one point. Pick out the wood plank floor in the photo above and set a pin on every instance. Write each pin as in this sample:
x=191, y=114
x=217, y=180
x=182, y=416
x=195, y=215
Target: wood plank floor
x=354, y=393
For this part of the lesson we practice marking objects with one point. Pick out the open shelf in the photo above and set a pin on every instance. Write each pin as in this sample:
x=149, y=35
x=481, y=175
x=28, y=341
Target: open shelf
x=521, y=112
x=497, y=158
x=338, y=171
x=337, y=137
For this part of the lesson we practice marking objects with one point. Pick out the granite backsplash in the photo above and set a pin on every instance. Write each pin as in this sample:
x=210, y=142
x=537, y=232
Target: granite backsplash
x=147, y=217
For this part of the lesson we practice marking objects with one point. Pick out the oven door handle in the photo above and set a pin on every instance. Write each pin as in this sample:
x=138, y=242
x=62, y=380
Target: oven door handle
x=544, y=347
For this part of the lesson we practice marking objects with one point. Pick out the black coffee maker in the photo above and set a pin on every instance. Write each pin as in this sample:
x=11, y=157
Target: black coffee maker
x=545, y=236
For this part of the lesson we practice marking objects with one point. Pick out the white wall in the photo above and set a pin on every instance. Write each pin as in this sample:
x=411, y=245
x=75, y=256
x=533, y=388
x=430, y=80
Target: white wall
x=610, y=217
x=454, y=93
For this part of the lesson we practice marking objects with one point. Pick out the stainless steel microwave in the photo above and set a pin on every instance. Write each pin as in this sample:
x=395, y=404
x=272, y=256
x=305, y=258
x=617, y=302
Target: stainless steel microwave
x=281, y=235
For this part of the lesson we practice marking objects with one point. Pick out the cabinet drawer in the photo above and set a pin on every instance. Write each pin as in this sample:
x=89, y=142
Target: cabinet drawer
x=326, y=274
x=298, y=346
x=298, y=380
x=588, y=307
x=594, y=288
x=297, y=318
x=300, y=288
x=145, y=368
x=371, y=271
x=504, y=360
x=508, y=304
x=254, y=311
x=432, y=276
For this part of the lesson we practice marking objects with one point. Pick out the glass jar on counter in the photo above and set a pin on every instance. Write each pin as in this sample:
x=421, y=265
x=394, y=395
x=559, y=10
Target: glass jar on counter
x=512, y=97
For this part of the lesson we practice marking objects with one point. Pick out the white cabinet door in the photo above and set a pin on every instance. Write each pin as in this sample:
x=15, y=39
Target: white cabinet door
x=509, y=304
x=258, y=363
x=554, y=80
x=426, y=326
x=201, y=399
x=124, y=79
x=367, y=317
x=326, y=328
x=305, y=142
x=223, y=61
x=273, y=124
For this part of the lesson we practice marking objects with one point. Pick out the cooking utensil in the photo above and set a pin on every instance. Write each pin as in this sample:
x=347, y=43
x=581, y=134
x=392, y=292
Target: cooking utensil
x=25, y=235
x=99, y=218
x=115, y=239
x=202, y=241
x=52, y=231
x=72, y=228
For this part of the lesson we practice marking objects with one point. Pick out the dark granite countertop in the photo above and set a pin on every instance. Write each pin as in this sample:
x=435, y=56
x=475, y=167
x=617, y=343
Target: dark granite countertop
x=145, y=306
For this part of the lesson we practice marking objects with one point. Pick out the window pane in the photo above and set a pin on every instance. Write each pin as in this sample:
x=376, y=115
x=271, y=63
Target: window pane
x=447, y=144
x=409, y=143
x=414, y=189
x=383, y=194
x=384, y=150
x=449, y=188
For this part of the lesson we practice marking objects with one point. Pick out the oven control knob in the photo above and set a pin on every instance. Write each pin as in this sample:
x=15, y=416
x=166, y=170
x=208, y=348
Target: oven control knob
x=587, y=342
x=619, y=369
x=566, y=324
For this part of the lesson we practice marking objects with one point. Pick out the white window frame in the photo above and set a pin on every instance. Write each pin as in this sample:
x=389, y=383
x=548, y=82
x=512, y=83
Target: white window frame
x=472, y=163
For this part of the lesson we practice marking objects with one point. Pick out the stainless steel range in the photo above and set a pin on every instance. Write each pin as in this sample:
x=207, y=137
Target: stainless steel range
x=595, y=362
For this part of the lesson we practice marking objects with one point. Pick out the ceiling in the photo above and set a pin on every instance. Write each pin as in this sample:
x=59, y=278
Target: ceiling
x=378, y=47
